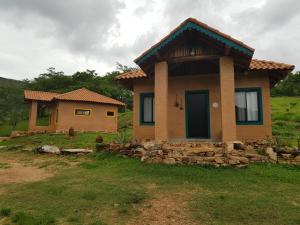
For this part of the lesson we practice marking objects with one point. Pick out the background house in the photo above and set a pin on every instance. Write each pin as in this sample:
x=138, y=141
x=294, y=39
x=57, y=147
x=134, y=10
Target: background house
x=199, y=83
x=81, y=109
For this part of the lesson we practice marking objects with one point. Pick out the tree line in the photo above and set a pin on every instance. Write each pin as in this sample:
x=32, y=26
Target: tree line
x=12, y=105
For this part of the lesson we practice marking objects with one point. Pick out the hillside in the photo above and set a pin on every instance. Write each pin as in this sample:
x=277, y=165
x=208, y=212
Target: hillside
x=5, y=82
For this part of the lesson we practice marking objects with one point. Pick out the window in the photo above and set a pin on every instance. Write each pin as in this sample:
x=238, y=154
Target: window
x=110, y=113
x=248, y=106
x=147, y=108
x=82, y=112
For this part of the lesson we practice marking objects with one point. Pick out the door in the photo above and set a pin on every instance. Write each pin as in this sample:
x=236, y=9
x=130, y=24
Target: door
x=197, y=114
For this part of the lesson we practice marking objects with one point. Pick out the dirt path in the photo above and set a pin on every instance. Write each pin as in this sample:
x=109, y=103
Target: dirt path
x=165, y=210
x=18, y=173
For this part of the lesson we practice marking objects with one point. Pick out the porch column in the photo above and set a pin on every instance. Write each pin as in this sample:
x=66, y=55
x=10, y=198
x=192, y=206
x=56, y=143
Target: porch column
x=227, y=92
x=32, y=116
x=161, y=101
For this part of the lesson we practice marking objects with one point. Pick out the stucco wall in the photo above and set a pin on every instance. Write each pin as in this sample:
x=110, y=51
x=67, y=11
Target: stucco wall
x=97, y=121
x=256, y=131
x=176, y=117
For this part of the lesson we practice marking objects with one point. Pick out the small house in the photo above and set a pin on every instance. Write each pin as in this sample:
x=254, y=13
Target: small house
x=198, y=83
x=82, y=109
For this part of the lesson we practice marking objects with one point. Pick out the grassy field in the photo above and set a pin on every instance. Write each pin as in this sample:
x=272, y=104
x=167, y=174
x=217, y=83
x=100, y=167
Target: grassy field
x=286, y=118
x=105, y=189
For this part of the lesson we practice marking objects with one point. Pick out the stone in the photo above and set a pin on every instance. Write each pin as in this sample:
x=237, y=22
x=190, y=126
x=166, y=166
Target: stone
x=286, y=156
x=297, y=158
x=233, y=162
x=219, y=160
x=76, y=151
x=228, y=146
x=287, y=149
x=15, y=134
x=114, y=147
x=238, y=145
x=1, y=147
x=3, y=138
x=52, y=149
x=271, y=154
x=149, y=145
x=240, y=159
x=170, y=161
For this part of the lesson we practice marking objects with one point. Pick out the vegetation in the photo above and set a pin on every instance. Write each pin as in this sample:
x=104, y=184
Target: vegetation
x=286, y=119
x=290, y=86
x=106, y=189
x=12, y=106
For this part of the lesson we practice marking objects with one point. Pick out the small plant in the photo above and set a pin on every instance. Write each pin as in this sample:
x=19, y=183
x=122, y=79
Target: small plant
x=122, y=137
x=99, y=139
x=261, y=151
x=5, y=212
x=71, y=132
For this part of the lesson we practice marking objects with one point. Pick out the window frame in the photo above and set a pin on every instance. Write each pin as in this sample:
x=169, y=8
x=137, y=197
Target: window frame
x=82, y=110
x=110, y=111
x=258, y=90
x=142, y=97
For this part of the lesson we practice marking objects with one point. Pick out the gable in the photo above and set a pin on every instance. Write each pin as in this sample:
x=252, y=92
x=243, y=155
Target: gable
x=206, y=32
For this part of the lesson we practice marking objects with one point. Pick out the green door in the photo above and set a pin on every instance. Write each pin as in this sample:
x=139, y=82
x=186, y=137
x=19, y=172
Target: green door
x=197, y=114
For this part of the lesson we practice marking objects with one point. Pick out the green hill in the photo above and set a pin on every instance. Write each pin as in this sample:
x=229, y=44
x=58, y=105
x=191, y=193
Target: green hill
x=5, y=82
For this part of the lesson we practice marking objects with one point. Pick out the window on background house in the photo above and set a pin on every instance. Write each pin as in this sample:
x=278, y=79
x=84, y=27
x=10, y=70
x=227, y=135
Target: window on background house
x=82, y=112
x=147, y=108
x=248, y=106
x=110, y=113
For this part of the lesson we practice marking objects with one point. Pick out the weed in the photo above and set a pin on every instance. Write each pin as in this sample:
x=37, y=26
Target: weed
x=5, y=212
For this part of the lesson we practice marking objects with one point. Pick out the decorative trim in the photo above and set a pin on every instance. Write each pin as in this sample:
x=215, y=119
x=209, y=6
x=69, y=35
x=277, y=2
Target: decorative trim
x=260, y=106
x=187, y=118
x=141, y=109
x=196, y=27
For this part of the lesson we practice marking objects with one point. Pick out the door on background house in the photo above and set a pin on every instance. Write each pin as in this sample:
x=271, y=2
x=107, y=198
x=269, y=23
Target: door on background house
x=197, y=114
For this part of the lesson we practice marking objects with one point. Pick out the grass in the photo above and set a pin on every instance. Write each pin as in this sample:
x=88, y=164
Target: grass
x=80, y=140
x=286, y=118
x=5, y=129
x=106, y=189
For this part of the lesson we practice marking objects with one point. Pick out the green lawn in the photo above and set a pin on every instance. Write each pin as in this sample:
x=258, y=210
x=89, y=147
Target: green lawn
x=106, y=189
x=286, y=118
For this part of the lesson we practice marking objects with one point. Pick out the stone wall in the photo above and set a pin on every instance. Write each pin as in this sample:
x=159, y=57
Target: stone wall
x=236, y=154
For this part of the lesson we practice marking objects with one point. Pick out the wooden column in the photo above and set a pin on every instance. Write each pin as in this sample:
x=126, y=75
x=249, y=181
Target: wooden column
x=227, y=92
x=32, y=116
x=161, y=101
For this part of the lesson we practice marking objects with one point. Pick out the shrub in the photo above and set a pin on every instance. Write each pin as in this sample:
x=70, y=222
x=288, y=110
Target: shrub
x=4, y=212
x=123, y=137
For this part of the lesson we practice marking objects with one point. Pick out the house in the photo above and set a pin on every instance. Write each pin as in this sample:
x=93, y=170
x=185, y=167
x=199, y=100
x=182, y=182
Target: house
x=82, y=109
x=198, y=83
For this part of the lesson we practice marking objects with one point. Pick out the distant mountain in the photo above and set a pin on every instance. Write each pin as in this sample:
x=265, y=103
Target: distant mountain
x=4, y=82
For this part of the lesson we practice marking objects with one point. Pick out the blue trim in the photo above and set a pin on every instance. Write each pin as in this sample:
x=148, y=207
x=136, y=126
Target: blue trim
x=260, y=106
x=141, y=114
x=187, y=117
x=207, y=32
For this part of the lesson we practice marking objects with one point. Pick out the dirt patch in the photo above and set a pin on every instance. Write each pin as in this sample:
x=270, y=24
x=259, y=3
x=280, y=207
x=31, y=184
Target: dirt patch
x=18, y=173
x=171, y=209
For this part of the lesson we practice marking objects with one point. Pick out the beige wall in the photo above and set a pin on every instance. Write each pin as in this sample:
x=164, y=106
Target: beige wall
x=97, y=121
x=66, y=118
x=176, y=117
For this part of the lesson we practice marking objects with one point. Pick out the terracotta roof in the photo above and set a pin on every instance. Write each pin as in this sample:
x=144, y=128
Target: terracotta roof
x=254, y=65
x=131, y=75
x=86, y=95
x=82, y=95
x=39, y=95
x=211, y=31
x=269, y=65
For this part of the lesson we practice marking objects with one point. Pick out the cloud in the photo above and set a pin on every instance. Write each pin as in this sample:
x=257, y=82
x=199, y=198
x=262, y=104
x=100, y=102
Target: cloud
x=91, y=34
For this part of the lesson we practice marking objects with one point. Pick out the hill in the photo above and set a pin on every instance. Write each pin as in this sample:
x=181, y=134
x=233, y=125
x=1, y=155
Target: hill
x=5, y=82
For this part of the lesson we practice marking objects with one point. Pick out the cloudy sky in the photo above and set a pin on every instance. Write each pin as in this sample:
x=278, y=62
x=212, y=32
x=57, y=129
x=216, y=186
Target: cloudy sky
x=73, y=35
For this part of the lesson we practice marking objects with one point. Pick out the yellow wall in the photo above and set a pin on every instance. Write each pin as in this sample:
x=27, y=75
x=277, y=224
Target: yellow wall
x=176, y=117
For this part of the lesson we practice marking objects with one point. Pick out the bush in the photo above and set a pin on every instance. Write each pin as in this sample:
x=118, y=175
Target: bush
x=4, y=212
x=123, y=137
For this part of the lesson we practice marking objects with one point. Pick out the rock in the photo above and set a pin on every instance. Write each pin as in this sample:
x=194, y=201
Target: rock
x=240, y=159
x=144, y=158
x=219, y=160
x=114, y=147
x=170, y=161
x=228, y=146
x=297, y=158
x=1, y=147
x=286, y=156
x=76, y=151
x=233, y=162
x=52, y=149
x=127, y=145
x=238, y=145
x=15, y=134
x=149, y=145
x=287, y=149
x=271, y=154
x=3, y=138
